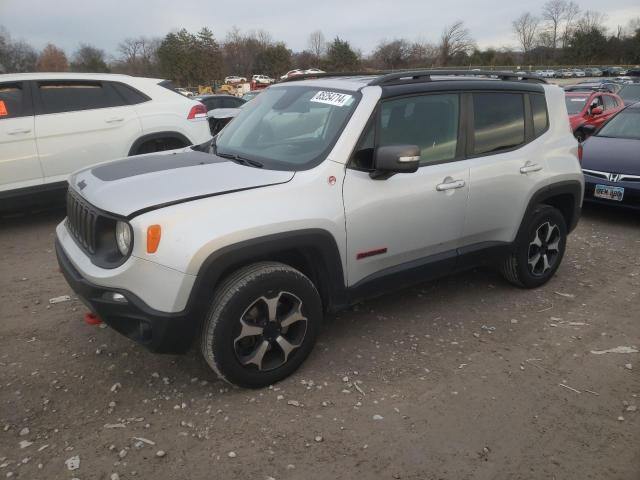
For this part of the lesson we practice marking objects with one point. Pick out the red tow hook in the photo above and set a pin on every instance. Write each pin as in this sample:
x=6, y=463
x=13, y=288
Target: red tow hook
x=92, y=319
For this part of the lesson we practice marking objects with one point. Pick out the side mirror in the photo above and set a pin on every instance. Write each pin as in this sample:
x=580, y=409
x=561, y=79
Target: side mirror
x=596, y=111
x=392, y=159
x=583, y=132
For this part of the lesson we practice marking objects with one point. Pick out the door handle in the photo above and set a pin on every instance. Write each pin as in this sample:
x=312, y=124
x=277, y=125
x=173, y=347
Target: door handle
x=114, y=120
x=453, y=184
x=18, y=131
x=530, y=167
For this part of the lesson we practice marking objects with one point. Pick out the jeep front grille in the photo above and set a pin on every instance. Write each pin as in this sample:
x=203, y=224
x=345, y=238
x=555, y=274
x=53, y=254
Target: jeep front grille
x=81, y=222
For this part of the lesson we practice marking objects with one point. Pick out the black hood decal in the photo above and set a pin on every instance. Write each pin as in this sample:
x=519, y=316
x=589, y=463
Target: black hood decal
x=131, y=167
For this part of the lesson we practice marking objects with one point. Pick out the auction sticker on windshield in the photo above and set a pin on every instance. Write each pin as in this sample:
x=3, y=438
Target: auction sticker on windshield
x=331, y=98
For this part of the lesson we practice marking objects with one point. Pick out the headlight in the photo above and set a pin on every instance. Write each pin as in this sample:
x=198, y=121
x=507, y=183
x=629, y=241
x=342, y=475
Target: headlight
x=124, y=237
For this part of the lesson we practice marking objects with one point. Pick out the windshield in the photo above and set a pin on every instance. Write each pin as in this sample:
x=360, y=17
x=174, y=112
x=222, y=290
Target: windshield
x=630, y=92
x=575, y=104
x=288, y=128
x=624, y=125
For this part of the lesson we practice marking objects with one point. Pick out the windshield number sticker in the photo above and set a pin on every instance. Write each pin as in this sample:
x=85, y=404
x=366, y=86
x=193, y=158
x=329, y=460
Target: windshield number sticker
x=331, y=98
x=578, y=99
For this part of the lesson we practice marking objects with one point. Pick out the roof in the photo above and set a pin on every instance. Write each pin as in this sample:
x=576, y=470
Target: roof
x=72, y=76
x=358, y=80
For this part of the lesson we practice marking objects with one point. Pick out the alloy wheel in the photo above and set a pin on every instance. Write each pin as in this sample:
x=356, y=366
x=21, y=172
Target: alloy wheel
x=269, y=331
x=544, y=249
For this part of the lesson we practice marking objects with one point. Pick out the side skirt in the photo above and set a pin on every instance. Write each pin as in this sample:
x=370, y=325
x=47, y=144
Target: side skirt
x=426, y=269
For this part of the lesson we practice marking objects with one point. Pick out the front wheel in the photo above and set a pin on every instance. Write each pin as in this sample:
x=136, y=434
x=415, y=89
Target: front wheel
x=262, y=324
x=538, y=251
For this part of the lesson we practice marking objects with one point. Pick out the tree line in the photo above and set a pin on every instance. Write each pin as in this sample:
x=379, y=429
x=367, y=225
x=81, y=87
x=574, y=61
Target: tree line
x=559, y=34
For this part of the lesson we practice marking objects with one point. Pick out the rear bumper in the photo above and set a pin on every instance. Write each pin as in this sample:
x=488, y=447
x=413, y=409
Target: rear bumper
x=160, y=332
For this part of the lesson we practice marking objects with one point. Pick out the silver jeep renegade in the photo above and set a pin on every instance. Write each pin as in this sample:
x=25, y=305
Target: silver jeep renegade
x=320, y=193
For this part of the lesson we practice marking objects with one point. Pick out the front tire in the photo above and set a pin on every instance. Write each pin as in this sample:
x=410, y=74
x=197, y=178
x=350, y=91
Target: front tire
x=262, y=324
x=538, y=250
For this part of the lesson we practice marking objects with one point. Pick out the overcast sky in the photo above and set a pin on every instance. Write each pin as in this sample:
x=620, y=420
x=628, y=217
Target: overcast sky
x=68, y=23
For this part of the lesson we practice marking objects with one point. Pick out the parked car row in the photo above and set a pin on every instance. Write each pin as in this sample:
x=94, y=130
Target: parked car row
x=582, y=72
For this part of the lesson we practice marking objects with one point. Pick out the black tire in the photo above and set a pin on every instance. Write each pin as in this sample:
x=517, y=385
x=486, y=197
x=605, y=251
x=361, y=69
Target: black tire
x=242, y=297
x=517, y=266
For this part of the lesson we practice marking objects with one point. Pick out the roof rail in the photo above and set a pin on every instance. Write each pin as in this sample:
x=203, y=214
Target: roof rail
x=307, y=76
x=417, y=76
x=425, y=76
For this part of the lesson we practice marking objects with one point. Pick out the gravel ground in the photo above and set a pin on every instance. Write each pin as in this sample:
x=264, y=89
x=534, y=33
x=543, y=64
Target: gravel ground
x=462, y=378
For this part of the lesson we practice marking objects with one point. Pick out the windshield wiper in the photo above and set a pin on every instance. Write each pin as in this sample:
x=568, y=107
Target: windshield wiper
x=241, y=160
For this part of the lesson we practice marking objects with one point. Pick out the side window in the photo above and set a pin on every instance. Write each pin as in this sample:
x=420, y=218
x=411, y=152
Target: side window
x=66, y=96
x=539, y=113
x=428, y=121
x=498, y=121
x=129, y=94
x=596, y=102
x=363, y=154
x=609, y=102
x=12, y=101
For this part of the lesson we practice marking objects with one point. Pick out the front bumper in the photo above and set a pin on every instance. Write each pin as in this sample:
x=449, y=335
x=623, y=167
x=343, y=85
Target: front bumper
x=160, y=332
x=630, y=199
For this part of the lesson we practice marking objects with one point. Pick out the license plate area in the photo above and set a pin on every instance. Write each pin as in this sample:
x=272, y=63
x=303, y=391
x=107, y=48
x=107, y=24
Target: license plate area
x=609, y=193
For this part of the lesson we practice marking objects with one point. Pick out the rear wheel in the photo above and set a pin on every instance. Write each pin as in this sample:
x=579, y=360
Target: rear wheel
x=262, y=324
x=538, y=251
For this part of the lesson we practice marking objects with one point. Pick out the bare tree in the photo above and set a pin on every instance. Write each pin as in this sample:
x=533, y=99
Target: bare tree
x=525, y=28
x=553, y=12
x=317, y=44
x=138, y=56
x=571, y=13
x=455, y=40
x=591, y=20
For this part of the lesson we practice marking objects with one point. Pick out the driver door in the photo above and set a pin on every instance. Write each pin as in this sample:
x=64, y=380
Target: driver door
x=410, y=220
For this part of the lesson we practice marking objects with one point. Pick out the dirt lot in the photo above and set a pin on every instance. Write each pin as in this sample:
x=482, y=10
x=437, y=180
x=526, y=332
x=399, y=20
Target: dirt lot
x=463, y=378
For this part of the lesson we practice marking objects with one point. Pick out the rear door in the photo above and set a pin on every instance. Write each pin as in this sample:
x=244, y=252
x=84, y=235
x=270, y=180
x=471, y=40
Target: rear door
x=80, y=123
x=505, y=163
x=410, y=218
x=19, y=164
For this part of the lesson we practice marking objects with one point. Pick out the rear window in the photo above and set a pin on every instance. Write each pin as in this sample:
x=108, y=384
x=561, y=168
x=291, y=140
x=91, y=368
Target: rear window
x=59, y=97
x=498, y=121
x=168, y=84
x=539, y=113
x=575, y=104
x=12, y=101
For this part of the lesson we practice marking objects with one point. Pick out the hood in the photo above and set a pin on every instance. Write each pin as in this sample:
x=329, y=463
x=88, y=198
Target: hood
x=613, y=155
x=138, y=184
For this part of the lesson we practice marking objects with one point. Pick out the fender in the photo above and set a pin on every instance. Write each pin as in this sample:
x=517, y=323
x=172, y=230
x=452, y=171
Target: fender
x=155, y=136
x=313, y=251
x=572, y=188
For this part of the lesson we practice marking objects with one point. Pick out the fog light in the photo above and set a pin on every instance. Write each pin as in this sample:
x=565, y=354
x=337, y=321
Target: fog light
x=115, y=297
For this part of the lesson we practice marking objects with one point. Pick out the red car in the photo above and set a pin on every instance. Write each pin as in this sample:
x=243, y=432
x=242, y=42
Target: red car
x=591, y=108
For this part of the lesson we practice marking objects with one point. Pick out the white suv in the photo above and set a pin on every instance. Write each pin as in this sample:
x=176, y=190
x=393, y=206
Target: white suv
x=52, y=124
x=325, y=192
x=262, y=79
